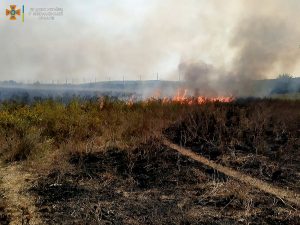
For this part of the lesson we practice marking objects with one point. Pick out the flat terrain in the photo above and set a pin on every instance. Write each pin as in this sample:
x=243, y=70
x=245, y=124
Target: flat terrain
x=108, y=162
x=4, y=219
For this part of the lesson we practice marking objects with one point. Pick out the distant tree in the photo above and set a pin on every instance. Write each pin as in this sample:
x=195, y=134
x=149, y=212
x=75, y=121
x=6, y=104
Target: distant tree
x=283, y=84
x=285, y=76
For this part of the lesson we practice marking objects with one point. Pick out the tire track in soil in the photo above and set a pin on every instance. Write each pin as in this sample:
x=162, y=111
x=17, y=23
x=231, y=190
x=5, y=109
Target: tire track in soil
x=280, y=193
x=20, y=205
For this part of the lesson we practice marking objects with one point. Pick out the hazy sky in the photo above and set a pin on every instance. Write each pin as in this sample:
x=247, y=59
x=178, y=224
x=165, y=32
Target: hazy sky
x=132, y=38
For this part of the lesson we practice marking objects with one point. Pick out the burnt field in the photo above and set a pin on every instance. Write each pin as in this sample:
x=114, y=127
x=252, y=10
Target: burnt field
x=4, y=218
x=259, y=138
x=105, y=162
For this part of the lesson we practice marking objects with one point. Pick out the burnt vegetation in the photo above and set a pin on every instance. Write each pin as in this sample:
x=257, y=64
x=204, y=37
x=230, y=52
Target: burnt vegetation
x=258, y=137
x=104, y=161
x=150, y=185
x=4, y=218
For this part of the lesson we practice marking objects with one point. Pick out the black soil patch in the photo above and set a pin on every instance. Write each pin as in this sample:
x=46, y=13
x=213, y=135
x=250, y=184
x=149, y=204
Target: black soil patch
x=4, y=218
x=150, y=166
x=260, y=138
x=149, y=185
x=58, y=192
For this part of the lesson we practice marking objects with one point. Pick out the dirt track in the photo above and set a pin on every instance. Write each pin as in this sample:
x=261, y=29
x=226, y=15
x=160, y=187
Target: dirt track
x=118, y=198
x=20, y=205
x=282, y=194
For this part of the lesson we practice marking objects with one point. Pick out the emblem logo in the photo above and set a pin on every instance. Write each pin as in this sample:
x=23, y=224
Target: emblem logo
x=13, y=12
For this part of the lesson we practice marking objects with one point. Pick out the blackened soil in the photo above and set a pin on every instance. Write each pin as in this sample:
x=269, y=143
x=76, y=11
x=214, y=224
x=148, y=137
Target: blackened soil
x=260, y=138
x=286, y=176
x=151, y=185
x=4, y=218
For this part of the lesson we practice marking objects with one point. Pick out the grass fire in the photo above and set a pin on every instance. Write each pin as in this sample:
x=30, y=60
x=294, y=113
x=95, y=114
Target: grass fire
x=107, y=161
x=150, y=112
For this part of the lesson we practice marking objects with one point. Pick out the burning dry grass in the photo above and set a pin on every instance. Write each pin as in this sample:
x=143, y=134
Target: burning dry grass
x=104, y=161
x=184, y=98
x=32, y=131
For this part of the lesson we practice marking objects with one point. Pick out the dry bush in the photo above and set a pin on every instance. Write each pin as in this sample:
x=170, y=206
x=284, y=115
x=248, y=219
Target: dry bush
x=34, y=131
x=30, y=146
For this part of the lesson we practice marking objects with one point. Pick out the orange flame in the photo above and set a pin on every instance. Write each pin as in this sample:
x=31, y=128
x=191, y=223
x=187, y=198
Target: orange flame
x=183, y=98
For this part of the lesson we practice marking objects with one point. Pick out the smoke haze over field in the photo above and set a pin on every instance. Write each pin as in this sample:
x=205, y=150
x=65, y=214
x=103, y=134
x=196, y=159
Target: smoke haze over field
x=206, y=41
x=263, y=41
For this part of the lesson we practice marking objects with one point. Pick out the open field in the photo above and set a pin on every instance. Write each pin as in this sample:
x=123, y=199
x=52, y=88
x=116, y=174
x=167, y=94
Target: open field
x=107, y=162
x=142, y=112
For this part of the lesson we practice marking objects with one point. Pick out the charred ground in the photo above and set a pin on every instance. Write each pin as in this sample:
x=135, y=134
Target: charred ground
x=4, y=218
x=259, y=138
x=106, y=164
x=151, y=185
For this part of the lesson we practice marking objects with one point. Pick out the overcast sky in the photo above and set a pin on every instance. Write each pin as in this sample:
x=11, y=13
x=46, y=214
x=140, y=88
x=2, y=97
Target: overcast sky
x=98, y=39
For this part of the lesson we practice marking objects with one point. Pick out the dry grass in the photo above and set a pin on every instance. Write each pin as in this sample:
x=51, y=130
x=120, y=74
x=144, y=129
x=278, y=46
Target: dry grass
x=30, y=131
x=105, y=161
x=34, y=131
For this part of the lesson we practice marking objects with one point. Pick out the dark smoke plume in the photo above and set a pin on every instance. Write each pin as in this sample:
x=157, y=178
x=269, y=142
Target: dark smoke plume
x=264, y=42
x=201, y=75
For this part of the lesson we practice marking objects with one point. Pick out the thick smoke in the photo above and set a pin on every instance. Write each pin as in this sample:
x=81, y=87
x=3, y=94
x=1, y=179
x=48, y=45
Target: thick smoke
x=100, y=40
x=201, y=75
x=216, y=46
x=265, y=40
